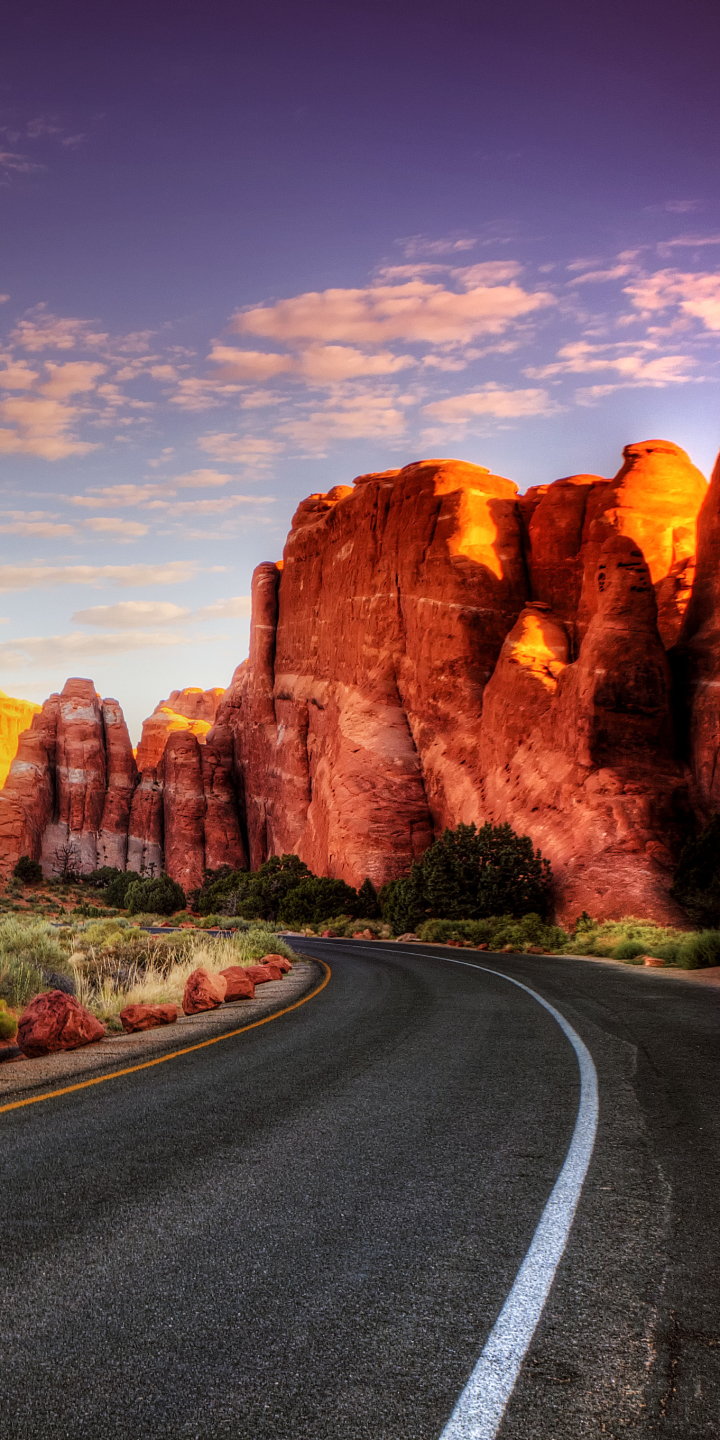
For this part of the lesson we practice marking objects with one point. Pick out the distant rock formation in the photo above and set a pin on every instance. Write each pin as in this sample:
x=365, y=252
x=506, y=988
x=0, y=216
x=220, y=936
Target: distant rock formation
x=433, y=649
x=15, y=717
x=191, y=710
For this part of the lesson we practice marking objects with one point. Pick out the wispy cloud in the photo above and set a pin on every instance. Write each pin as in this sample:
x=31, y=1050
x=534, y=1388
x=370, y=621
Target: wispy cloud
x=491, y=400
x=32, y=577
x=132, y=614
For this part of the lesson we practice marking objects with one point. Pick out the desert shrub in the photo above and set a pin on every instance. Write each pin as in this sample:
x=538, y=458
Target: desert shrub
x=104, y=876
x=628, y=950
x=696, y=885
x=254, y=894
x=162, y=896
x=699, y=950
x=28, y=871
x=309, y=901
x=367, y=900
x=470, y=874
x=31, y=958
x=606, y=936
x=117, y=888
x=8, y=1022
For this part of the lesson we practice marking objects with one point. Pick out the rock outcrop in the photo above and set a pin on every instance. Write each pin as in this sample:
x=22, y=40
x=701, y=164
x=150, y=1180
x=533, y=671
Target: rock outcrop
x=15, y=717
x=190, y=711
x=433, y=648
x=55, y=1021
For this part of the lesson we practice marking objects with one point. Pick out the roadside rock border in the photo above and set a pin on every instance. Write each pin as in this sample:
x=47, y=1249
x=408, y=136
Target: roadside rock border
x=21, y=1078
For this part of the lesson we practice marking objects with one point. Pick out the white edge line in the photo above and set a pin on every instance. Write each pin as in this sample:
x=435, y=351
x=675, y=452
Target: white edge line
x=479, y=1411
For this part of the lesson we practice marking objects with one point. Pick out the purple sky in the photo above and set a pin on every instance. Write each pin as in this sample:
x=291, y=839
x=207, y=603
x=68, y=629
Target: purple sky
x=251, y=251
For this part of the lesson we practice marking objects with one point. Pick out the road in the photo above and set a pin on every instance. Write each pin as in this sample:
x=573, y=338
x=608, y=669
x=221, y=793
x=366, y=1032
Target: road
x=309, y=1230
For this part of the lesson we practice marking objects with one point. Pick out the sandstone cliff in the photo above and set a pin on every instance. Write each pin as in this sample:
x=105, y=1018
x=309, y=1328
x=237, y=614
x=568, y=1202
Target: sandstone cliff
x=190, y=711
x=433, y=648
x=15, y=717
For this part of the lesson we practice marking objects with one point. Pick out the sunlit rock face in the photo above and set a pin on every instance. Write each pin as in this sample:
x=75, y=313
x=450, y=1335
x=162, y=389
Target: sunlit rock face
x=697, y=660
x=433, y=648
x=16, y=717
x=190, y=711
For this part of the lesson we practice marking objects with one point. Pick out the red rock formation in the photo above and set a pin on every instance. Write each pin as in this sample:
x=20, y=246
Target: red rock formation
x=260, y=974
x=654, y=499
x=203, y=991
x=122, y=776
x=16, y=717
x=55, y=1021
x=27, y=798
x=357, y=712
x=240, y=986
x=698, y=659
x=432, y=649
x=192, y=710
x=147, y=1017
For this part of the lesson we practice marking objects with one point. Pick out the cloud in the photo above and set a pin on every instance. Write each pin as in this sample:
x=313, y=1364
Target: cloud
x=14, y=164
x=492, y=400
x=42, y=427
x=637, y=363
x=696, y=294
x=682, y=207
x=132, y=614
x=17, y=375
x=217, y=506
x=120, y=529
x=416, y=312
x=59, y=651
x=32, y=577
x=237, y=607
x=73, y=378
x=247, y=364
x=596, y=277
x=253, y=451
x=42, y=529
x=201, y=479
x=357, y=417
x=415, y=245
x=119, y=496
x=41, y=330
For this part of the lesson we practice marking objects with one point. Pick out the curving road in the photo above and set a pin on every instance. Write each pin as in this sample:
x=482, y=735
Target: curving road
x=310, y=1230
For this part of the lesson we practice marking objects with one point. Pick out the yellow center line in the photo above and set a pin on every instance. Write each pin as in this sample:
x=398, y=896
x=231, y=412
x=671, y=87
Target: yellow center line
x=160, y=1060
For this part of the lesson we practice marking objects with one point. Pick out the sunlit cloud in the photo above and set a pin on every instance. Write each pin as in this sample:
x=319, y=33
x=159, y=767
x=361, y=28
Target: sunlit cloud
x=40, y=330
x=252, y=451
x=696, y=294
x=35, y=577
x=351, y=418
x=235, y=608
x=491, y=400
x=416, y=312
x=415, y=245
x=132, y=614
x=61, y=651
x=637, y=363
x=117, y=529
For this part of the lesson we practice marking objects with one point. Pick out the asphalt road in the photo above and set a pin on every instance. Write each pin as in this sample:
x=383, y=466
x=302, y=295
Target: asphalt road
x=309, y=1230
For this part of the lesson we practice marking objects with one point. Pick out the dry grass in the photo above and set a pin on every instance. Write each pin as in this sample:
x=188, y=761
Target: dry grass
x=106, y=982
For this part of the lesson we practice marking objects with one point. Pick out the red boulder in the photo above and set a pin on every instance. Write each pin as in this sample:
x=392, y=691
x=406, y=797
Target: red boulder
x=260, y=973
x=203, y=991
x=55, y=1021
x=240, y=986
x=279, y=960
x=147, y=1017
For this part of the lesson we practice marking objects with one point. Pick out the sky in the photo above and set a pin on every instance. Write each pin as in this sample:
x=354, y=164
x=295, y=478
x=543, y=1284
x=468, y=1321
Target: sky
x=249, y=251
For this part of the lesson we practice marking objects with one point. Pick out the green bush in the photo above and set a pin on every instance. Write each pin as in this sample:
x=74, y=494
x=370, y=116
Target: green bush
x=697, y=879
x=30, y=951
x=700, y=950
x=162, y=896
x=629, y=950
x=259, y=941
x=116, y=890
x=28, y=871
x=8, y=1022
x=367, y=901
x=254, y=894
x=312, y=899
x=470, y=874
